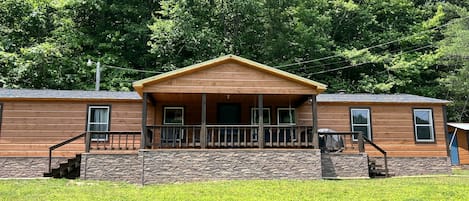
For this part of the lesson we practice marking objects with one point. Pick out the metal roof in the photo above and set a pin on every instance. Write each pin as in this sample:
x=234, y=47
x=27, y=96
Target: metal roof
x=463, y=126
x=66, y=94
x=378, y=98
x=335, y=98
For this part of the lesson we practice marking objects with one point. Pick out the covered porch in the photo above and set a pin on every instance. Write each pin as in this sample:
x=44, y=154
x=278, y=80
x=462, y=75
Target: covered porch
x=228, y=102
x=229, y=121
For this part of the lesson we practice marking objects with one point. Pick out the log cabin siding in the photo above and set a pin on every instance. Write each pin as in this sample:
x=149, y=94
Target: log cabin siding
x=392, y=126
x=29, y=128
x=229, y=78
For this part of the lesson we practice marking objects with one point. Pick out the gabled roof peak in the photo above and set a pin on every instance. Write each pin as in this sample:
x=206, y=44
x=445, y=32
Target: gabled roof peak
x=139, y=85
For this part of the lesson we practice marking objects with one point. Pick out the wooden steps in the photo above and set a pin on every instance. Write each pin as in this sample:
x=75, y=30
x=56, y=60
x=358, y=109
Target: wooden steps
x=377, y=170
x=69, y=170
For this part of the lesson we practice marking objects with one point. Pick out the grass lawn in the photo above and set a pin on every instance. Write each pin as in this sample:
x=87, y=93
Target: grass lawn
x=412, y=188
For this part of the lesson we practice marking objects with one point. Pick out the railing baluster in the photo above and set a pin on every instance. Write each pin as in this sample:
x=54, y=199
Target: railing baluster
x=193, y=140
x=244, y=137
x=186, y=144
x=111, y=142
x=213, y=137
x=251, y=138
x=133, y=142
x=119, y=143
x=238, y=133
x=277, y=131
x=232, y=136
x=219, y=137
x=225, y=137
x=270, y=137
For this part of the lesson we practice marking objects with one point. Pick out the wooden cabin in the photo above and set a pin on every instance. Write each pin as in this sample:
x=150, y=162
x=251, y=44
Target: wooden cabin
x=228, y=105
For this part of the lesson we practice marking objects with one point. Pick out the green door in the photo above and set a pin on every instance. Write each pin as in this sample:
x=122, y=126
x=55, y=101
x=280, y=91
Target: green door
x=229, y=113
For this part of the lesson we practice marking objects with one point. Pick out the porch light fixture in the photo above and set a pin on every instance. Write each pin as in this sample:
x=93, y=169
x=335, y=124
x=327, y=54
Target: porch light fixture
x=228, y=97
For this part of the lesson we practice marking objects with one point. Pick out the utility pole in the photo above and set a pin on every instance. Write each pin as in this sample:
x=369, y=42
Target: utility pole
x=98, y=72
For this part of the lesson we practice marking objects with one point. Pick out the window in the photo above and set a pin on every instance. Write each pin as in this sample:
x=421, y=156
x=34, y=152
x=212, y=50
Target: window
x=172, y=116
x=98, y=120
x=255, y=120
x=255, y=116
x=423, y=125
x=286, y=116
x=360, y=121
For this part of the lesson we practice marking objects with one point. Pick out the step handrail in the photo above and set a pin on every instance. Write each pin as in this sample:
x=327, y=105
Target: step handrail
x=380, y=150
x=53, y=147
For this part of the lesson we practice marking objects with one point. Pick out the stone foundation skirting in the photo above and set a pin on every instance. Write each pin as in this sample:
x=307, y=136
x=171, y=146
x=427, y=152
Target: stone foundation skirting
x=411, y=166
x=167, y=166
x=337, y=165
x=112, y=167
x=26, y=167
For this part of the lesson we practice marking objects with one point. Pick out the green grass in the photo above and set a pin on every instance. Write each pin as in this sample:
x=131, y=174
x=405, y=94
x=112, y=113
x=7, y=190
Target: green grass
x=414, y=188
x=460, y=172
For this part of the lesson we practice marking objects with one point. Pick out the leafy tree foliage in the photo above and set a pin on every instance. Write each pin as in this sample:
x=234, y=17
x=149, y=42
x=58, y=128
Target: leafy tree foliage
x=373, y=46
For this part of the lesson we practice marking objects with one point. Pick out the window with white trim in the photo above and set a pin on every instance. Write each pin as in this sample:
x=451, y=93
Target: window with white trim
x=360, y=119
x=255, y=116
x=286, y=116
x=173, y=116
x=98, y=120
x=423, y=125
x=255, y=120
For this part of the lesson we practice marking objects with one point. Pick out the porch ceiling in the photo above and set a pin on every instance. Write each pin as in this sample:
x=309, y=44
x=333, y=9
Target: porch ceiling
x=229, y=75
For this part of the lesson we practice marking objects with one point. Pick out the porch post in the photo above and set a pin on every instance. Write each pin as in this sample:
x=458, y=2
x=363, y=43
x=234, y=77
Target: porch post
x=203, y=128
x=260, y=112
x=144, y=121
x=314, y=108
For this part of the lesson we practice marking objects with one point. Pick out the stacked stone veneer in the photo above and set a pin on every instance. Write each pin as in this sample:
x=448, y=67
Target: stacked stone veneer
x=26, y=167
x=114, y=167
x=163, y=166
x=410, y=166
x=171, y=166
x=337, y=165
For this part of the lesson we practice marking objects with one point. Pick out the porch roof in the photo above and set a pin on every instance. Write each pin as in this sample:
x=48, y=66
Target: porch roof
x=462, y=126
x=139, y=85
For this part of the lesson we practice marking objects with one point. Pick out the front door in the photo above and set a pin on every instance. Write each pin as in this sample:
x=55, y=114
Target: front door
x=229, y=113
x=454, y=148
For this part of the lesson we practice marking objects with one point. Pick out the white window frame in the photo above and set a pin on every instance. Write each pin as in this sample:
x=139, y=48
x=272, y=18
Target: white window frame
x=181, y=131
x=430, y=124
x=254, y=110
x=288, y=109
x=253, y=120
x=368, y=122
x=173, y=108
x=292, y=134
x=88, y=123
